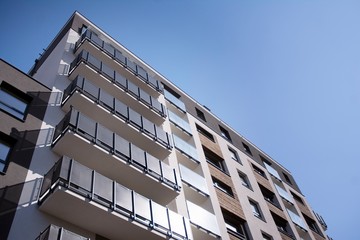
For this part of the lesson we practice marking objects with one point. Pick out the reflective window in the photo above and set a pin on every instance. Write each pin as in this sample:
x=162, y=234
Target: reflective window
x=234, y=155
x=13, y=101
x=5, y=147
x=224, y=133
x=244, y=180
x=255, y=209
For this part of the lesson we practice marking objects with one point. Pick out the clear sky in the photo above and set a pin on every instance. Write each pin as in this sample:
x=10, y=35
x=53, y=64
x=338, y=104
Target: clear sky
x=284, y=74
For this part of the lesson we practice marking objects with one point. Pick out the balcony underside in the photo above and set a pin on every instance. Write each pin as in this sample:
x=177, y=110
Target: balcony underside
x=92, y=156
x=89, y=215
x=114, y=123
x=99, y=80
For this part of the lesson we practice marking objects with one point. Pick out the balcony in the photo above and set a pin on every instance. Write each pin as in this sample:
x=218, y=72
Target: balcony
x=103, y=206
x=85, y=64
x=114, y=114
x=321, y=221
x=185, y=148
x=58, y=233
x=92, y=144
x=175, y=101
x=194, y=180
x=179, y=122
x=89, y=37
x=284, y=194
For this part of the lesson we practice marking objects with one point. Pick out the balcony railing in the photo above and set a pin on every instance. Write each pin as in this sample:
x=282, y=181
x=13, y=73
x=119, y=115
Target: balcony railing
x=119, y=109
x=58, y=233
x=185, y=148
x=321, y=220
x=81, y=180
x=296, y=219
x=175, y=101
x=284, y=194
x=193, y=179
x=116, y=55
x=272, y=171
x=110, y=142
x=179, y=122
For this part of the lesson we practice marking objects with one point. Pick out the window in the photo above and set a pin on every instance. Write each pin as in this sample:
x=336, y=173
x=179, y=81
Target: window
x=312, y=224
x=200, y=114
x=282, y=225
x=255, y=209
x=269, y=196
x=244, y=180
x=222, y=187
x=234, y=155
x=6, y=144
x=224, y=133
x=215, y=160
x=266, y=236
x=235, y=225
x=287, y=178
x=270, y=169
x=247, y=149
x=258, y=171
x=297, y=198
x=205, y=133
x=13, y=101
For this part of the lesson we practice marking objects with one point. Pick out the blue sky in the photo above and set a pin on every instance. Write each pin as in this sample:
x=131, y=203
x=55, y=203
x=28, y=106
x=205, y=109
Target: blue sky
x=285, y=74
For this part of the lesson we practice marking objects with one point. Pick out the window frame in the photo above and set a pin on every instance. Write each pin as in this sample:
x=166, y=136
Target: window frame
x=225, y=133
x=244, y=180
x=234, y=155
x=259, y=171
x=256, y=210
x=17, y=95
x=205, y=133
x=246, y=148
x=235, y=225
x=222, y=187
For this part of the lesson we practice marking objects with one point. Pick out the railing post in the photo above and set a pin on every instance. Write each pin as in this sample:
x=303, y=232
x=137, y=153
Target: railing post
x=92, y=184
x=113, y=207
x=69, y=173
x=176, y=181
x=152, y=225
x=96, y=132
x=169, y=222
x=161, y=171
x=186, y=232
x=133, y=205
x=146, y=163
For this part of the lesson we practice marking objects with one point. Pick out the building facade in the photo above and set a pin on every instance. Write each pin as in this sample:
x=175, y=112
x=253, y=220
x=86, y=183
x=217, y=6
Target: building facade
x=120, y=152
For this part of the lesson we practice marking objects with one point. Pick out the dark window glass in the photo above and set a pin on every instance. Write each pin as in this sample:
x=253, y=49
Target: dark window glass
x=266, y=236
x=234, y=155
x=205, y=133
x=224, y=133
x=287, y=178
x=312, y=224
x=222, y=186
x=215, y=160
x=282, y=225
x=269, y=196
x=255, y=209
x=247, y=149
x=13, y=101
x=234, y=225
x=200, y=114
x=258, y=170
x=6, y=143
x=244, y=180
x=297, y=198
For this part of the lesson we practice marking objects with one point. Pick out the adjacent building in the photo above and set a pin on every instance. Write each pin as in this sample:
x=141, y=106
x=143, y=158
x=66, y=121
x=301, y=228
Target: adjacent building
x=96, y=144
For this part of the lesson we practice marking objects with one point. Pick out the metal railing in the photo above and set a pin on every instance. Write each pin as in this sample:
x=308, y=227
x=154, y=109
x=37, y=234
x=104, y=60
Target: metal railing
x=116, y=107
x=116, y=55
x=185, y=148
x=86, y=182
x=175, y=101
x=97, y=134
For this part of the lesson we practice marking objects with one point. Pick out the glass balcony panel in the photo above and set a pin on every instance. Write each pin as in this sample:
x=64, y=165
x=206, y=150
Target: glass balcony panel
x=81, y=176
x=103, y=187
x=120, y=80
x=185, y=147
x=174, y=100
x=296, y=219
x=135, y=118
x=63, y=167
x=105, y=137
x=284, y=194
x=109, y=72
x=161, y=134
x=153, y=164
x=156, y=104
x=107, y=100
x=133, y=89
x=193, y=179
x=131, y=65
x=160, y=215
x=177, y=223
x=153, y=82
x=123, y=197
x=87, y=126
x=91, y=89
x=73, y=117
x=120, y=57
x=94, y=62
x=96, y=40
x=168, y=173
x=179, y=122
x=138, y=156
x=148, y=126
x=145, y=97
x=203, y=218
x=79, y=81
x=67, y=235
x=122, y=147
x=272, y=171
x=142, y=206
x=121, y=109
x=142, y=73
x=109, y=49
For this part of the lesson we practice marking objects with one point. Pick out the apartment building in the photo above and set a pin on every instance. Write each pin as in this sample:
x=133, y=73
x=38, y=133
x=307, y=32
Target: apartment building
x=119, y=152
